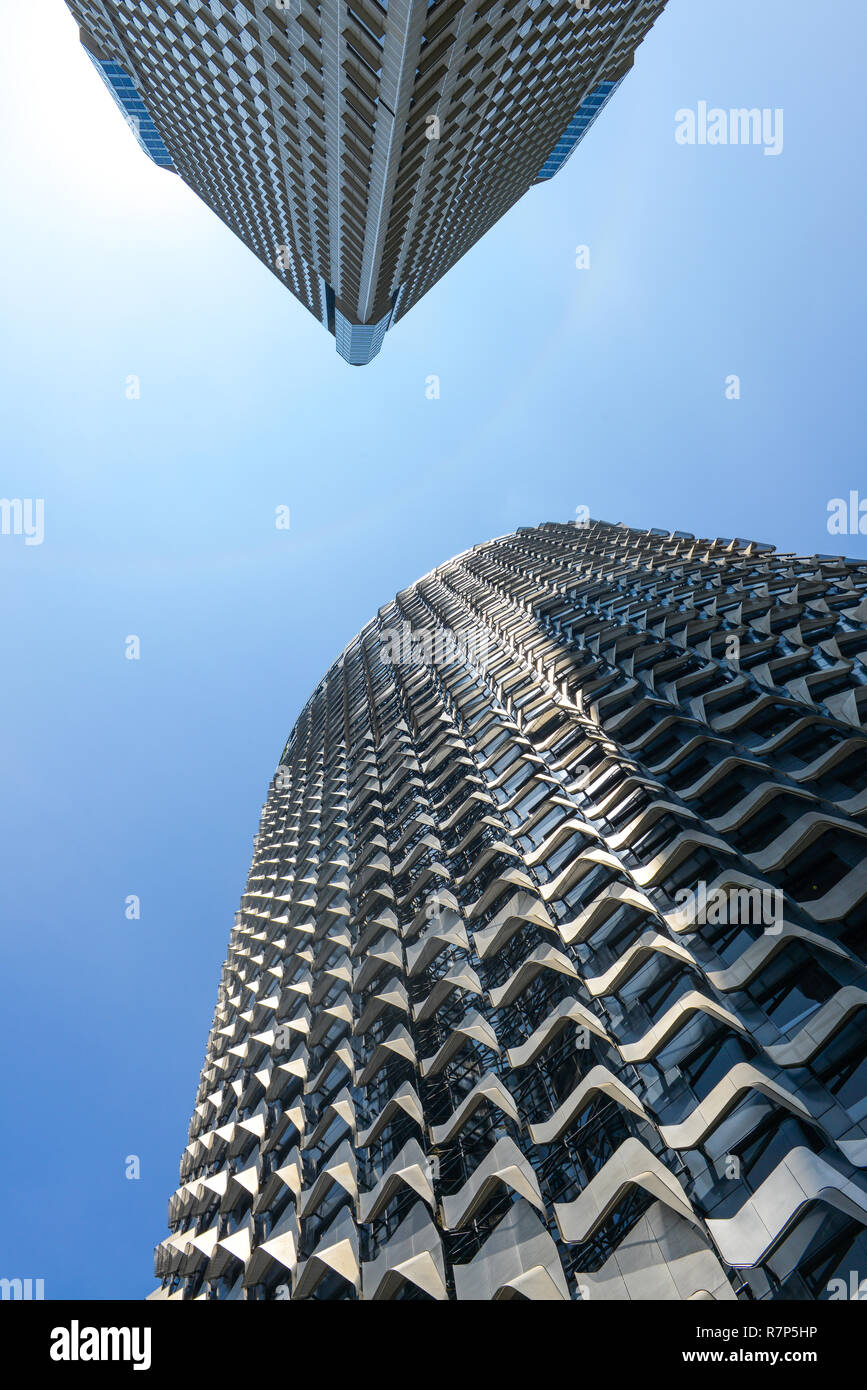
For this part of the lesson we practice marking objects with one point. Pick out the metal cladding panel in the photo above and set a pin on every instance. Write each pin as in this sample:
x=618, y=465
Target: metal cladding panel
x=548, y=979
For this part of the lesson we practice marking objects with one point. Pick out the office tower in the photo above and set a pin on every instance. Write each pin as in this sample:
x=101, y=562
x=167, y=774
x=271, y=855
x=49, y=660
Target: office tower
x=549, y=976
x=358, y=148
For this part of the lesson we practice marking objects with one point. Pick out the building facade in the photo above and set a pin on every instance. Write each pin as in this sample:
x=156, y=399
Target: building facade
x=360, y=149
x=549, y=976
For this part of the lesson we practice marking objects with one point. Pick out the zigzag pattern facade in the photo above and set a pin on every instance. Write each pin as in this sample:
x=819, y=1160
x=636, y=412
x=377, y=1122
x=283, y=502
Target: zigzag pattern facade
x=505, y=1013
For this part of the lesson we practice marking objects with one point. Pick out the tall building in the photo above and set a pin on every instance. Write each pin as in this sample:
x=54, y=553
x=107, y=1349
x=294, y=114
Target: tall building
x=549, y=976
x=360, y=149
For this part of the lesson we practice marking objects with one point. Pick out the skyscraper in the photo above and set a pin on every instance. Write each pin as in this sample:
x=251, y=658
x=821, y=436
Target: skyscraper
x=360, y=149
x=549, y=976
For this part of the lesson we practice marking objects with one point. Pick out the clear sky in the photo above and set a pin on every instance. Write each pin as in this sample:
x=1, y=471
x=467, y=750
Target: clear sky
x=559, y=388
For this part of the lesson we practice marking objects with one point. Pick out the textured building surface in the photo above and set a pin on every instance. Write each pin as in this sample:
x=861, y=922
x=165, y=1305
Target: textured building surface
x=548, y=980
x=361, y=149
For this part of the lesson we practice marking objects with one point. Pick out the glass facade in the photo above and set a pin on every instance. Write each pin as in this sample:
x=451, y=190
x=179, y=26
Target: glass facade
x=358, y=343
x=577, y=128
x=135, y=113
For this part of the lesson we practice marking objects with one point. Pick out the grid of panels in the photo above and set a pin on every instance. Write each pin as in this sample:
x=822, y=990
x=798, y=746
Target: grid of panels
x=361, y=146
x=479, y=1033
x=134, y=110
x=587, y=113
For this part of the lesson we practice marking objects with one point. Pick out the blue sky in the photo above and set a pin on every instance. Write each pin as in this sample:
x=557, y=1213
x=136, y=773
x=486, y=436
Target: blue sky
x=559, y=388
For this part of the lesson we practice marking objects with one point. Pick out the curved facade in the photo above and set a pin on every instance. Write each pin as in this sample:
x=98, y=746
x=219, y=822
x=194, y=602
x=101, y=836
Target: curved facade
x=548, y=980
